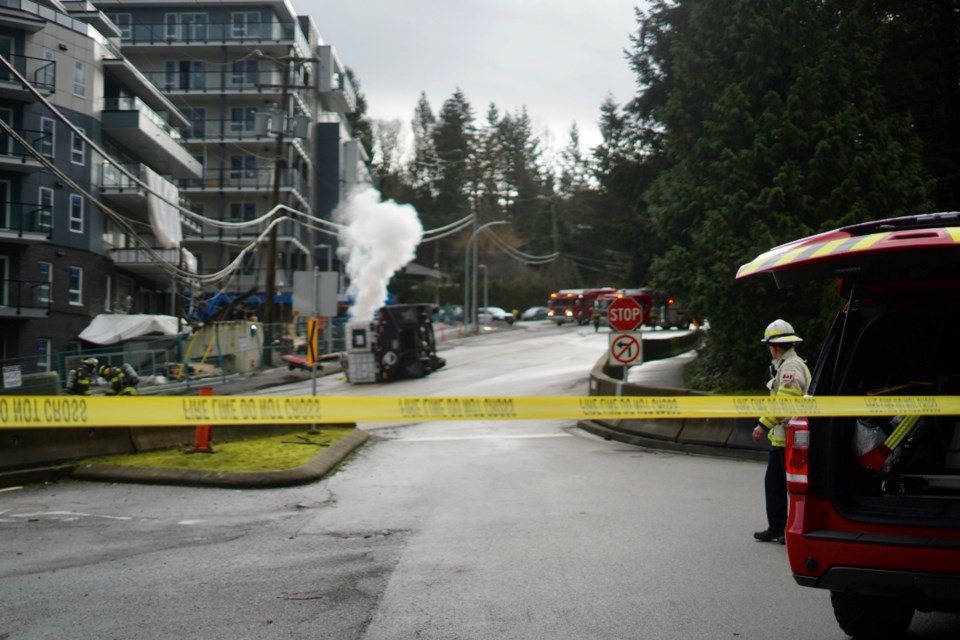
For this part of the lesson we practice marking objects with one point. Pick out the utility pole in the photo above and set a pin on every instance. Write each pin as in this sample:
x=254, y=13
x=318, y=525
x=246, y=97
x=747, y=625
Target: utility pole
x=279, y=162
x=288, y=63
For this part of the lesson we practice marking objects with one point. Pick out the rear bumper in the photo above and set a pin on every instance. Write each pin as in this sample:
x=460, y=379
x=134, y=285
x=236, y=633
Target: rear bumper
x=928, y=591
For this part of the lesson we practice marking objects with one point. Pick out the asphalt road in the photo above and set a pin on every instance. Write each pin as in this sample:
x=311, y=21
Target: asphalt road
x=456, y=530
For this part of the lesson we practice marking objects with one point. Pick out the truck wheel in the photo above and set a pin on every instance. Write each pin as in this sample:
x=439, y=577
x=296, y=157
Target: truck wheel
x=863, y=617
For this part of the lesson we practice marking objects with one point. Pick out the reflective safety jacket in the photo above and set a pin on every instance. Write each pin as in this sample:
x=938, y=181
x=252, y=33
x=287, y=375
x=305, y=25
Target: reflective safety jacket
x=791, y=377
x=78, y=382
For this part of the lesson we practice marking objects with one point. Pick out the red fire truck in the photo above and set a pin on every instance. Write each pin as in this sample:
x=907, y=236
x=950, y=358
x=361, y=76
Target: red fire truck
x=575, y=305
x=642, y=297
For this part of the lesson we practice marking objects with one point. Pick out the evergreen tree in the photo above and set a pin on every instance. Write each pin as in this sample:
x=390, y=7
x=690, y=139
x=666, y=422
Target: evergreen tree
x=769, y=123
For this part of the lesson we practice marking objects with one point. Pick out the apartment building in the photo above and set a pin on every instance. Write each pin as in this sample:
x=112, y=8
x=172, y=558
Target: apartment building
x=266, y=100
x=200, y=117
x=77, y=236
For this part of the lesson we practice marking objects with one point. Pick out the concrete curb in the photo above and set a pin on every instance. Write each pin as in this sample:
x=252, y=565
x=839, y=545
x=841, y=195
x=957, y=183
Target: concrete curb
x=309, y=472
x=608, y=433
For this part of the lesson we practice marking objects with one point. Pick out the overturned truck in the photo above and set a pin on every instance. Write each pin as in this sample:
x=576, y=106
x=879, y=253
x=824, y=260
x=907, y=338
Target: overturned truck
x=398, y=344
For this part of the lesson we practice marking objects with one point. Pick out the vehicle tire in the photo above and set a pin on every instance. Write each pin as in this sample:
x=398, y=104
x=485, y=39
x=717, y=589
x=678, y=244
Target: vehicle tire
x=866, y=617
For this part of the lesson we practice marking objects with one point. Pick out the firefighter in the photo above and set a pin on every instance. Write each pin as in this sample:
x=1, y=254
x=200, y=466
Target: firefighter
x=121, y=381
x=790, y=379
x=80, y=378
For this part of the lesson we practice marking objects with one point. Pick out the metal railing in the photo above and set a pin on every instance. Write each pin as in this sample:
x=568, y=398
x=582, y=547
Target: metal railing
x=41, y=73
x=136, y=104
x=259, y=179
x=25, y=217
x=17, y=296
x=226, y=80
x=199, y=31
x=40, y=140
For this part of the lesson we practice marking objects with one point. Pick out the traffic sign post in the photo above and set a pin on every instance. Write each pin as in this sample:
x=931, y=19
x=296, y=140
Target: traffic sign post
x=624, y=314
x=626, y=348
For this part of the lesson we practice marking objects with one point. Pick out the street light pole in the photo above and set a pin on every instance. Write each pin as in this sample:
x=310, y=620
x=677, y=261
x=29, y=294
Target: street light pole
x=471, y=275
x=486, y=300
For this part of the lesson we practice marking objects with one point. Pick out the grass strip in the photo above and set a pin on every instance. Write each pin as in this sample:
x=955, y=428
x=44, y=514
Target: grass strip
x=266, y=453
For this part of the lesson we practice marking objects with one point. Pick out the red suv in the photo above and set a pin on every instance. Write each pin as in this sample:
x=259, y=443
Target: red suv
x=875, y=500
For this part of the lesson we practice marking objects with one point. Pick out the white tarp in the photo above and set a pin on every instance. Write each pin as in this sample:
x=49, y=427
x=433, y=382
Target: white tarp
x=110, y=328
x=164, y=218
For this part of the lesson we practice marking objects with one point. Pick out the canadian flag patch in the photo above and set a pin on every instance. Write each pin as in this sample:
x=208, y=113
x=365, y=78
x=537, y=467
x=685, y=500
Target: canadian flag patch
x=787, y=377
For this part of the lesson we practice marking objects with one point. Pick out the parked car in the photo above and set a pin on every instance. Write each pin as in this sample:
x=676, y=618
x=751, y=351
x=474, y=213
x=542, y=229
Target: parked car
x=535, y=313
x=875, y=499
x=489, y=315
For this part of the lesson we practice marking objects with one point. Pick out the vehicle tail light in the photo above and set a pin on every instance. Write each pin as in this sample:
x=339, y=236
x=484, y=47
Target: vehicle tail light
x=798, y=455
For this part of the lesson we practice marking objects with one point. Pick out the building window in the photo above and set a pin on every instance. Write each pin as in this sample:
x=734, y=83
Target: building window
x=243, y=167
x=124, y=22
x=47, y=137
x=248, y=266
x=79, y=79
x=76, y=213
x=171, y=26
x=246, y=72
x=243, y=211
x=242, y=119
x=47, y=74
x=46, y=277
x=245, y=24
x=4, y=274
x=43, y=354
x=78, y=148
x=76, y=286
x=198, y=121
x=193, y=26
x=45, y=208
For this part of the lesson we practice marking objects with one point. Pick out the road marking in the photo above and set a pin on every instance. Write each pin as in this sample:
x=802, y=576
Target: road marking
x=490, y=437
x=71, y=514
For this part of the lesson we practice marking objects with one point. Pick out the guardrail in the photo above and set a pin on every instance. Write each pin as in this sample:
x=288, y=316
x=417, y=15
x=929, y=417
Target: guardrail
x=732, y=436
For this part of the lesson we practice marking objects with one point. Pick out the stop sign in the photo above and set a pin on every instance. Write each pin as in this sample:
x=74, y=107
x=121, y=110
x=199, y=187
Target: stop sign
x=625, y=314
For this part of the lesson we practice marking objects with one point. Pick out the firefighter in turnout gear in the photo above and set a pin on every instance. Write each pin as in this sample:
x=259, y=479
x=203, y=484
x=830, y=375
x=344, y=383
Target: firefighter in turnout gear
x=80, y=378
x=121, y=381
x=790, y=379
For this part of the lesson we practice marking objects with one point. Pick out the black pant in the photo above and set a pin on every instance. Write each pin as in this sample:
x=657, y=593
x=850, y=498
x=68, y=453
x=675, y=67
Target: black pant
x=775, y=485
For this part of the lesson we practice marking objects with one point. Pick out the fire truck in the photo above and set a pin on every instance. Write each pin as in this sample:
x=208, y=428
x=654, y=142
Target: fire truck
x=398, y=344
x=575, y=305
x=660, y=311
x=642, y=297
x=667, y=314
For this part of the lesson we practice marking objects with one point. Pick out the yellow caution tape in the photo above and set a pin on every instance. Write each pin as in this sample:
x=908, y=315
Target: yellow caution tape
x=171, y=411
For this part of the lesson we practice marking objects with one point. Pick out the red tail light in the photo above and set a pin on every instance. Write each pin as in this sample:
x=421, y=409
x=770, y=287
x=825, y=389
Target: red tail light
x=798, y=455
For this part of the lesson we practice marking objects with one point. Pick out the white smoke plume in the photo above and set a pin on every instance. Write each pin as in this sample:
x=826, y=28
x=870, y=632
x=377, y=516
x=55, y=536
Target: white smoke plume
x=380, y=239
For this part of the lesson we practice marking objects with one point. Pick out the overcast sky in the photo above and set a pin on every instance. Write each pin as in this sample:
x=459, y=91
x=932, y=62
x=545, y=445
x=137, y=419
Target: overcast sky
x=560, y=58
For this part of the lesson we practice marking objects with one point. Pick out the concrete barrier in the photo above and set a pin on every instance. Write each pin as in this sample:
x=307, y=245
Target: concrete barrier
x=729, y=436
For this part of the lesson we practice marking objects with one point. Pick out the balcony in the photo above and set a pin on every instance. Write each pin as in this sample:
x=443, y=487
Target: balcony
x=196, y=31
x=42, y=74
x=150, y=264
x=15, y=157
x=224, y=131
x=336, y=91
x=120, y=189
x=25, y=222
x=185, y=81
x=250, y=181
x=24, y=299
x=138, y=127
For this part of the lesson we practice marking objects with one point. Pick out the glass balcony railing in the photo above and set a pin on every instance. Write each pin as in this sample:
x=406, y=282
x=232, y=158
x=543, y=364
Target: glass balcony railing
x=246, y=180
x=228, y=80
x=135, y=104
x=41, y=73
x=25, y=218
x=195, y=30
x=10, y=149
x=17, y=296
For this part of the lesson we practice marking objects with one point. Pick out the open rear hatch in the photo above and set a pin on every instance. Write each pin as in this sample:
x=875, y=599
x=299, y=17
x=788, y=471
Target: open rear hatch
x=898, y=334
